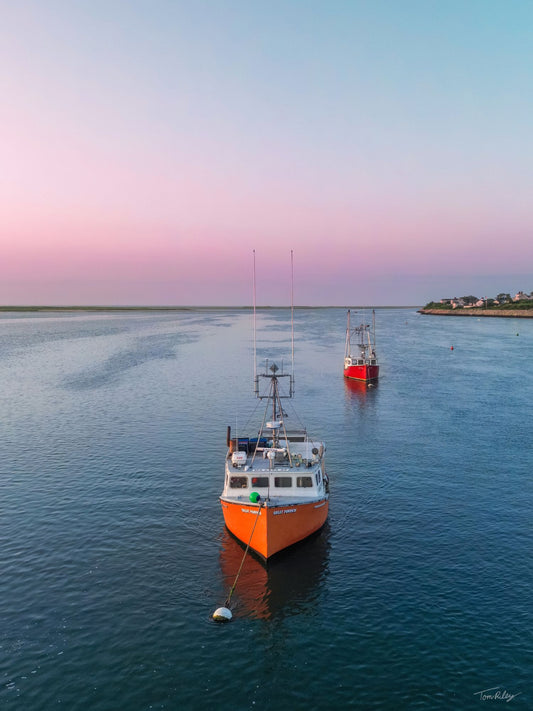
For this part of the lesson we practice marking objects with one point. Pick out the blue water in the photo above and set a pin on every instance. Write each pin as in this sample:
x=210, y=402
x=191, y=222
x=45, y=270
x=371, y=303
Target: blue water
x=416, y=594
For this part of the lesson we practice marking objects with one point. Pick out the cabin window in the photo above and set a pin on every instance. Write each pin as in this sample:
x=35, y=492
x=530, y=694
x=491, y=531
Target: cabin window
x=260, y=481
x=283, y=481
x=238, y=482
x=304, y=481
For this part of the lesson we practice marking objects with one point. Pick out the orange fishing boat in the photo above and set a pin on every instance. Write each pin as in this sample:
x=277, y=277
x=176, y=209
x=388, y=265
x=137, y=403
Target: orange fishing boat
x=360, y=359
x=276, y=490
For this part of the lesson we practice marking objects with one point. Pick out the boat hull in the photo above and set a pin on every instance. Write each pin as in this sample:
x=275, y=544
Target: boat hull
x=276, y=527
x=362, y=372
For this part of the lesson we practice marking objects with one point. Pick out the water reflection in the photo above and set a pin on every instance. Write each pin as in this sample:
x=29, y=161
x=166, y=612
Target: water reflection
x=359, y=389
x=287, y=584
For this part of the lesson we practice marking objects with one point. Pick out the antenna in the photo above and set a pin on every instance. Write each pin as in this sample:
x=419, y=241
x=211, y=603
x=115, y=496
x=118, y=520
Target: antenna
x=255, y=330
x=292, y=321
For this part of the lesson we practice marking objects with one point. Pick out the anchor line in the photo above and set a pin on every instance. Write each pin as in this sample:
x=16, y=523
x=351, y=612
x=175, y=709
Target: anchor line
x=226, y=604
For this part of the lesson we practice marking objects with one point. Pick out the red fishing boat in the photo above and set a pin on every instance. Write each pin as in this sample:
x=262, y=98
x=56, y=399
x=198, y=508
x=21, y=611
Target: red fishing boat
x=276, y=490
x=360, y=359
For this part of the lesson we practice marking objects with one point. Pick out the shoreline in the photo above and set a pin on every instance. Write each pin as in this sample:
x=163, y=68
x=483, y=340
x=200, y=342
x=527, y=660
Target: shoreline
x=51, y=309
x=518, y=313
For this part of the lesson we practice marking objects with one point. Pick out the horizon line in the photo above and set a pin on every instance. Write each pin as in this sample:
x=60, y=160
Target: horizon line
x=80, y=307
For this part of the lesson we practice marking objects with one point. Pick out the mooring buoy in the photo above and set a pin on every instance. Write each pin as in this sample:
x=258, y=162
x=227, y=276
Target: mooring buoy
x=222, y=614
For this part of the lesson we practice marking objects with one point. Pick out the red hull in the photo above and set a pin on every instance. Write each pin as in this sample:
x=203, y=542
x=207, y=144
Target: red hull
x=362, y=372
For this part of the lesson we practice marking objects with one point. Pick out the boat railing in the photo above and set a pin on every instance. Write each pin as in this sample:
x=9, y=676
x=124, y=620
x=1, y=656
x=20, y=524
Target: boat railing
x=279, y=462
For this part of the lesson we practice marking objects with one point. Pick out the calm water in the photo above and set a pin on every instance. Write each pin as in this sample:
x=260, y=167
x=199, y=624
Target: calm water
x=416, y=595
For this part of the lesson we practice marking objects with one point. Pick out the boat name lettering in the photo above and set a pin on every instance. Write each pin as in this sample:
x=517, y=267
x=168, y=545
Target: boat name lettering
x=282, y=511
x=254, y=511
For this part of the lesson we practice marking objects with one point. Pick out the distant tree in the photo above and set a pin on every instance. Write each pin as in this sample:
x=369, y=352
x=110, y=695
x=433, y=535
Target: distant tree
x=470, y=299
x=436, y=305
x=503, y=298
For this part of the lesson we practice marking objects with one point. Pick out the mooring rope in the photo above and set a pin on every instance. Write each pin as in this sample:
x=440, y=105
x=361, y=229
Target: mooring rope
x=226, y=604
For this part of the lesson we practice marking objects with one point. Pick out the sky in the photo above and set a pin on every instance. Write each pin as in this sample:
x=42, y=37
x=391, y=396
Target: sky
x=147, y=147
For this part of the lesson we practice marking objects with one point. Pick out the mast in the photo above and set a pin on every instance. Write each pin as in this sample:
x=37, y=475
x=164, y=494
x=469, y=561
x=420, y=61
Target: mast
x=256, y=382
x=347, y=347
x=374, y=333
x=273, y=391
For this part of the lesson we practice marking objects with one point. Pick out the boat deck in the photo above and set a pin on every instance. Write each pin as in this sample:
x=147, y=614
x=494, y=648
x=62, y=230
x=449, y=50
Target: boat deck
x=291, y=471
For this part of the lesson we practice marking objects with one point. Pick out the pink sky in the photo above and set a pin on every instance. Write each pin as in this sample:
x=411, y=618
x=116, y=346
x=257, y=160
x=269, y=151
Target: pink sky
x=143, y=158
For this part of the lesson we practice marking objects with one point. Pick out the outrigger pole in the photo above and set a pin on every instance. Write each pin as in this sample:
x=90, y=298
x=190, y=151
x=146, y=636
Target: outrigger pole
x=292, y=324
x=256, y=382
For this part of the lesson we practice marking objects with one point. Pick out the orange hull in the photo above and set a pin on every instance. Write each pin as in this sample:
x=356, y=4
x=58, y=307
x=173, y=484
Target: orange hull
x=277, y=527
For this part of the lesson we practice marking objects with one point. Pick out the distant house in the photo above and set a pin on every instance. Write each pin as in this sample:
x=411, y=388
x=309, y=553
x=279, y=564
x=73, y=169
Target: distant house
x=457, y=303
x=521, y=296
x=446, y=301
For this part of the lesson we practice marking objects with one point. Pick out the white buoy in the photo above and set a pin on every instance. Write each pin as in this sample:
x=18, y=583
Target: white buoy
x=222, y=614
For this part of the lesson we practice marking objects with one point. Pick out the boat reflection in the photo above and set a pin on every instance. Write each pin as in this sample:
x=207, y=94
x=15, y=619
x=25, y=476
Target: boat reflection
x=360, y=388
x=288, y=583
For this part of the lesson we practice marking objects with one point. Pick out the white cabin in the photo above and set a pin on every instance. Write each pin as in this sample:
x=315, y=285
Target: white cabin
x=293, y=470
